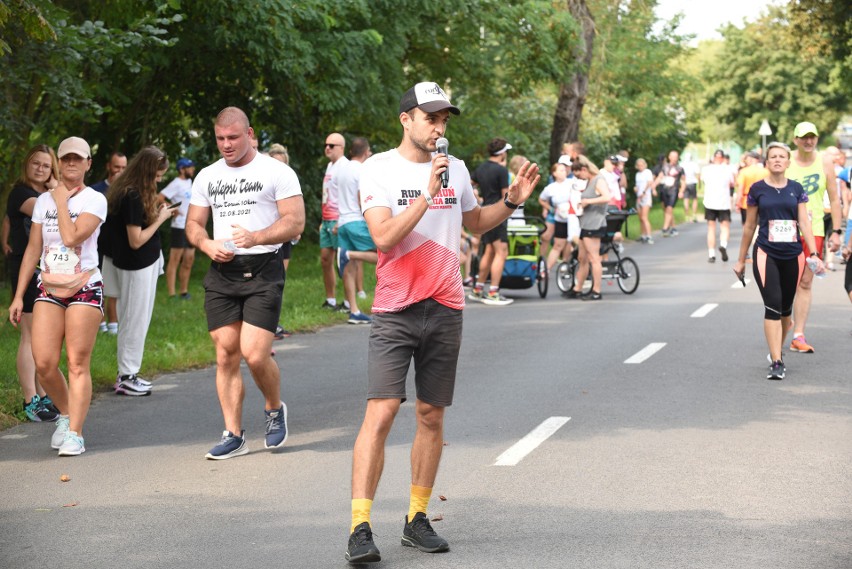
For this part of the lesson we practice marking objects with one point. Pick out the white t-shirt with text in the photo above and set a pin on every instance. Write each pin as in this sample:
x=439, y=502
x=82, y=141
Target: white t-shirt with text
x=245, y=196
x=55, y=256
x=179, y=190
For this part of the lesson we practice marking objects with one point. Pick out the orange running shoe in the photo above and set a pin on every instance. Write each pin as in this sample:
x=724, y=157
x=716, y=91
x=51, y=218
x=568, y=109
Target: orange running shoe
x=800, y=345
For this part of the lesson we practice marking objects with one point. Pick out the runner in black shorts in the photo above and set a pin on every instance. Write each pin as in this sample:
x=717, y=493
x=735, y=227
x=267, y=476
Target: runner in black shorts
x=245, y=282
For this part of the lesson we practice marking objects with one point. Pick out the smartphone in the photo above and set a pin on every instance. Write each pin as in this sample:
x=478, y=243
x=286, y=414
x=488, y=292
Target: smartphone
x=174, y=205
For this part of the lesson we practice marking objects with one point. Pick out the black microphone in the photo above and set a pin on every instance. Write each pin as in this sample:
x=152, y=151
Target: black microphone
x=442, y=144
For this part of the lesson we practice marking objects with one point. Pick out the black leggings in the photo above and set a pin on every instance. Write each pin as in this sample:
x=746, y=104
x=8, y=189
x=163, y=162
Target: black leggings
x=777, y=280
x=848, y=283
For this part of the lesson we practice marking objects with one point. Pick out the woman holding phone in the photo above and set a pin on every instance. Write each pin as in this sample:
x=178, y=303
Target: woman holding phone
x=135, y=213
x=64, y=242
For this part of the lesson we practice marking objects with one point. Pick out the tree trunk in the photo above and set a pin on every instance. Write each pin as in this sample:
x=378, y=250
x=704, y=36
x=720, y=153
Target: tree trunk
x=572, y=95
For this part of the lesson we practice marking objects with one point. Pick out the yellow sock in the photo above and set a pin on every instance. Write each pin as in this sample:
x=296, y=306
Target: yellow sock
x=419, y=500
x=360, y=512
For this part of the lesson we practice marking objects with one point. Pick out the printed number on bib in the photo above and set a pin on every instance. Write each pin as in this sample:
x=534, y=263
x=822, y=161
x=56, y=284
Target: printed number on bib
x=782, y=231
x=61, y=260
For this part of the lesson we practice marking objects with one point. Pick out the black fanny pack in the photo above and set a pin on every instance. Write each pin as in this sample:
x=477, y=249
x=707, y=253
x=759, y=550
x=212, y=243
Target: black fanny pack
x=244, y=268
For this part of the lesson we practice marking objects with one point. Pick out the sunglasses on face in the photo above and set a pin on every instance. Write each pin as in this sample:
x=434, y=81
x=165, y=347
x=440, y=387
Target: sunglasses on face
x=327, y=145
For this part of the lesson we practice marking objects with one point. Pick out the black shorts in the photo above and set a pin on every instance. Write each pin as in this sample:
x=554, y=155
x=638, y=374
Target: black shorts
x=499, y=233
x=717, y=214
x=247, y=289
x=428, y=332
x=691, y=191
x=599, y=233
x=32, y=292
x=668, y=195
x=560, y=230
x=285, y=250
x=179, y=239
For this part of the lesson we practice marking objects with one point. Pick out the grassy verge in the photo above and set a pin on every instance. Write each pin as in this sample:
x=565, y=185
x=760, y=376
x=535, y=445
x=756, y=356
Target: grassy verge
x=178, y=337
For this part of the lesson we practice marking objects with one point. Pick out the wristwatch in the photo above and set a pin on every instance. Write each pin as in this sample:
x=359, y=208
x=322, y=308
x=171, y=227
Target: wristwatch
x=838, y=231
x=428, y=197
x=509, y=204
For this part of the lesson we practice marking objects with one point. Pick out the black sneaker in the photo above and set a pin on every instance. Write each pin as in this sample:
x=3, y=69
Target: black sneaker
x=724, y=252
x=572, y=294
x=711, y=259
x=419, y=534
x=592, y=295
x=361, y=548
x=777, y=370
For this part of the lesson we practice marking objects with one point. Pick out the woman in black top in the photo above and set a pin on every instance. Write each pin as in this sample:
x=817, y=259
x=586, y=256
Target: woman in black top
x=39, y=173
x=135, y=215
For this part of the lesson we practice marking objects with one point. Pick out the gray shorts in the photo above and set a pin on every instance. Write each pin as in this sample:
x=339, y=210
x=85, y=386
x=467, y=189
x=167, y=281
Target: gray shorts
x=427, y=331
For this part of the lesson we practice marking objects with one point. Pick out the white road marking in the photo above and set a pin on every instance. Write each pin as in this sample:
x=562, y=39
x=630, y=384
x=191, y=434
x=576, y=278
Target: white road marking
x=14, y=437
x=703, y=311
x=645, y=353
x=529, y=443
x=164, y=386
x=738, y=284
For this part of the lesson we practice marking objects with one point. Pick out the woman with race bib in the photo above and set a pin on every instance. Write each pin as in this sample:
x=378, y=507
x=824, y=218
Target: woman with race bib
x=778, y=206
x=64, y=241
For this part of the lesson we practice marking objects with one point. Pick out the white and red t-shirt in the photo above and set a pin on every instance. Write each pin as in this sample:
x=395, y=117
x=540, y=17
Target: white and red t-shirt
x=331, y=190
x=425, y=264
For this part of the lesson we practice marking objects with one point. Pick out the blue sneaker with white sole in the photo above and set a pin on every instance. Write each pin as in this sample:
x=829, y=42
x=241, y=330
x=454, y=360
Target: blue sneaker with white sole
x=230, y=446
x=276, y=427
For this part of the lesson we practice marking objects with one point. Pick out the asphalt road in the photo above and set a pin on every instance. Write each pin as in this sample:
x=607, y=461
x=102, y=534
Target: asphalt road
x=688, y=459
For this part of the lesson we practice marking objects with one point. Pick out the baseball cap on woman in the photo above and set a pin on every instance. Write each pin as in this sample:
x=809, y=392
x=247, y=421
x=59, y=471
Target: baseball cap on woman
x=74, y=145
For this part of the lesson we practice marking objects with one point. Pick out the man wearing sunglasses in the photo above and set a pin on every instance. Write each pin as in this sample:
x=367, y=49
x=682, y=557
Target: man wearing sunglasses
x=335, y=145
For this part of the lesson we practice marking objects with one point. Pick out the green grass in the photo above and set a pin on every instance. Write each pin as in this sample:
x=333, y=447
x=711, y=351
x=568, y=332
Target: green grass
x=178, y=337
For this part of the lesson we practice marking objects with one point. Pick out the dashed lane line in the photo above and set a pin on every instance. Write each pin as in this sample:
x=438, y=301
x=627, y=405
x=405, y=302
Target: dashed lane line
x=529, y=443
x=703, y=311
x=645, y=353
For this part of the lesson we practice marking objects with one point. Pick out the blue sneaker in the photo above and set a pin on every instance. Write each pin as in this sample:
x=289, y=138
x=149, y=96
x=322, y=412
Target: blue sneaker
x=58, y=437
x=359, y=318
x=230, y=446
x=37, y=409
x=342, y=260
x=276, y=427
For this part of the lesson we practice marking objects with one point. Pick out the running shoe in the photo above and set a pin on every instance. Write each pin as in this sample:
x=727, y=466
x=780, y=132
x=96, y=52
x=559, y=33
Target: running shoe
x=185, y=296
x=591, y=295
x=329, y=306
x=776, y=370
x=48, y=404
x=468, y=282
x=342, y=260
x=37, y=411
x=711, y=259
x=230, y=446
x=58, y=436
x=475, y=295
x=362, y=294
x=72, y=445
x=281, y=333
x=359, y=318
x=724, y=252
x=666, y=232
x=102, y=327
x=276, y=427
x=649, y=240
x=800, y=345
x=132, y=385
x=571, y=293
x=361, y=548
x=674, y=232
x=494, y=298
x=619, y=247
x=419, y=533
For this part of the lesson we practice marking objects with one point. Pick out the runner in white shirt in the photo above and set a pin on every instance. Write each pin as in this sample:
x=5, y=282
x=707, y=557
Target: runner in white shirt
x=257, y=205
x=181, y=254
x=717, y=178
x=64, y=237
x=415, y=223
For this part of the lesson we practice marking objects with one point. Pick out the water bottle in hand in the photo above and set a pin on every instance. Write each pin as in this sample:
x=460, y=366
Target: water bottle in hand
x=813, y=262
x=229, y=245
